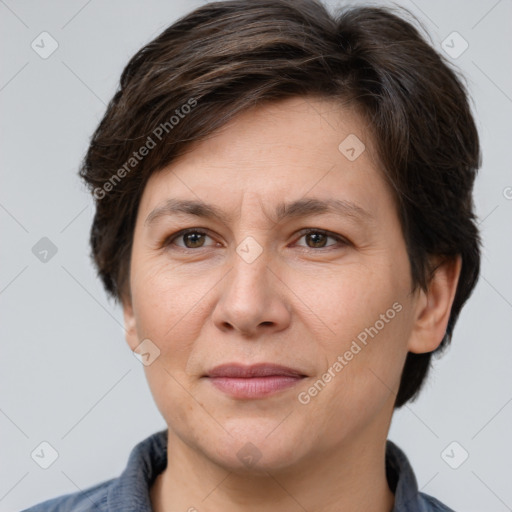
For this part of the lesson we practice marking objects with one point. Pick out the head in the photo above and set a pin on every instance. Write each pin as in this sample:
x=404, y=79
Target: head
x=249, y=107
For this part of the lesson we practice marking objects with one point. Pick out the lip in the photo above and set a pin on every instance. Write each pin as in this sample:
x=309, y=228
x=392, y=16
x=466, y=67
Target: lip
x=254, y=381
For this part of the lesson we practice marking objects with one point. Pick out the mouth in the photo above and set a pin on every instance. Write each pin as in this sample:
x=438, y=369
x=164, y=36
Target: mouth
x=255, y=381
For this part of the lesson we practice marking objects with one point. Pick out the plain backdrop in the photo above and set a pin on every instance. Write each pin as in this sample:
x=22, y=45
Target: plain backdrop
x=67, y=376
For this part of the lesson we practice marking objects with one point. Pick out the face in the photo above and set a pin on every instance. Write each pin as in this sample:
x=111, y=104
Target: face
x=284, y=313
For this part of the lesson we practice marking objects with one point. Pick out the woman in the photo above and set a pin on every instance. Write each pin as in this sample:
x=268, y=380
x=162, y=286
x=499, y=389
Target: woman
x=284, y=212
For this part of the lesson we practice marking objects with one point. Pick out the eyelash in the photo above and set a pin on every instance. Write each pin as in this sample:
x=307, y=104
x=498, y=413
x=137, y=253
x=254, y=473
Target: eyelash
x=341, y=241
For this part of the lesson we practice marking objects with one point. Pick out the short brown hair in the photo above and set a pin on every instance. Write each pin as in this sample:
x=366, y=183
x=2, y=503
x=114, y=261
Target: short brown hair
x=226, y=57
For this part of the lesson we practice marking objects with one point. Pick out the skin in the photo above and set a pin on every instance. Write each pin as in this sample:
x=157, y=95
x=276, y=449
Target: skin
x=300, y=303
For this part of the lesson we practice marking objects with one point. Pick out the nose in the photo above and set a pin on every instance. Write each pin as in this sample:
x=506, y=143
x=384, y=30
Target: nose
x=252, y=299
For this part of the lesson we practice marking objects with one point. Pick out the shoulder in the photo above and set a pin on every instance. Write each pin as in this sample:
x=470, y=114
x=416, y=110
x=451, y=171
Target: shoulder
x=129, y=490
x=403, y=483
x=91, y=499
x=432, y=504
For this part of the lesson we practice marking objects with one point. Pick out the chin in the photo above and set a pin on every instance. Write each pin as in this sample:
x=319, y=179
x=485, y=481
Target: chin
x=256, y=448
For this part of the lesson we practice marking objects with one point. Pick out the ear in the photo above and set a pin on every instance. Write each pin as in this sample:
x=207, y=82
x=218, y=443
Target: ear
x=434, y=306
x=130, y=324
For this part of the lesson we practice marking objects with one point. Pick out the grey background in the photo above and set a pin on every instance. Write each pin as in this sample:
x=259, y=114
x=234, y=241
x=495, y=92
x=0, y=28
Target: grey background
x=66, y=374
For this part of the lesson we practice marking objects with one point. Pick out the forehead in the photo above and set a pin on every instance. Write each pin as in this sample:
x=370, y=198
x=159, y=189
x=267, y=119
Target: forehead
x=277, y=153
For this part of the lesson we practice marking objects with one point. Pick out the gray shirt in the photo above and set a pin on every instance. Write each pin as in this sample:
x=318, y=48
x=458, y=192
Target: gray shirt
x=130, y=491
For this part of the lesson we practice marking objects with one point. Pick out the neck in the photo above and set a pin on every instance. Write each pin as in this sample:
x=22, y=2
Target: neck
x=351, y=477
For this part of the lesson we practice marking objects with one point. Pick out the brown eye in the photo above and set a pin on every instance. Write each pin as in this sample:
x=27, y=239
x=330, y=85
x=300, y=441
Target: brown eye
x=317, y=239
x=191, y=239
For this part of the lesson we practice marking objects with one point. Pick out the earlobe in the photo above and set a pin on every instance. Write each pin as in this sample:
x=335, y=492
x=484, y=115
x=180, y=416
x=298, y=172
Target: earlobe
x=434, y=306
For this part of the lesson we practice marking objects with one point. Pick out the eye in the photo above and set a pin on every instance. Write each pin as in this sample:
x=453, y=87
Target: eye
x=317, y=238
x=192, y=238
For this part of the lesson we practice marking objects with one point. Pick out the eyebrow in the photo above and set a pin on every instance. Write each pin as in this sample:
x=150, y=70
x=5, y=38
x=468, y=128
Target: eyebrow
x=300, y=208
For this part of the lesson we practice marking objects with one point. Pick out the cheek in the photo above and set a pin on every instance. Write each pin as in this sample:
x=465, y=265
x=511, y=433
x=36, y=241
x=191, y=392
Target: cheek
x=172, y=305
x=344, y=301
x=166, y=299
x=182, y=412
x=360, y=381
x=166, y=308
x=366, y=322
